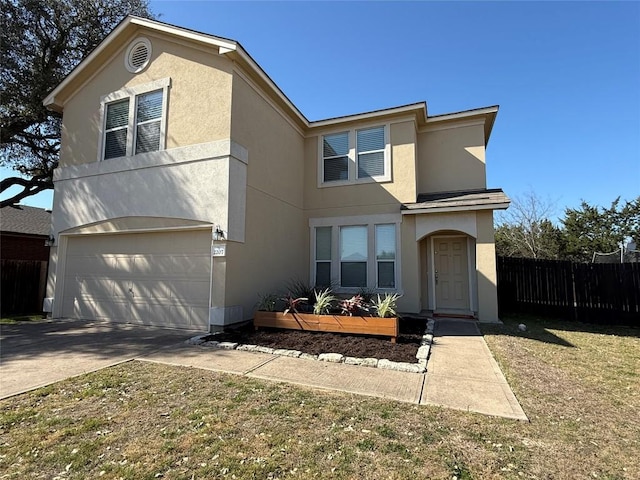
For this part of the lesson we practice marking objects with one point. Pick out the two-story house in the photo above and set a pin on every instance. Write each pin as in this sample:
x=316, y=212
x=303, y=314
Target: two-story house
x=188, y=183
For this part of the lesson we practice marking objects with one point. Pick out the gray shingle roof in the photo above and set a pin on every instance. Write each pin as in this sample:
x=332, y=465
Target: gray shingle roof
x=23, y=219
x=459, y=199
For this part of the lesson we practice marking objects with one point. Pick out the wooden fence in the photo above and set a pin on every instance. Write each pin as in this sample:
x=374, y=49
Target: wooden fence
x=607, y=293
x=22, y=286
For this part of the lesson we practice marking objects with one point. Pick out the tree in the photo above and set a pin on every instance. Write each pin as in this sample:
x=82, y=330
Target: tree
x=41, y=42
x=525, y=229
x=589, y=229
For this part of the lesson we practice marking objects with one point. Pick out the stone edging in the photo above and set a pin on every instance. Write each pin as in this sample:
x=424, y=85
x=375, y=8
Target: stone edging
x=420, y=367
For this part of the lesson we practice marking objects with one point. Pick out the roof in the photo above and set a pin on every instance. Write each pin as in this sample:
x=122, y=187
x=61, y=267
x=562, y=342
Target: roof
x=480, y=199
x=26, y=220
x=232, y=49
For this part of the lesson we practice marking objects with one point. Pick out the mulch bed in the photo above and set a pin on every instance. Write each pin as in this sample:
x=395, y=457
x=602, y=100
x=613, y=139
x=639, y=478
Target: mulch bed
x=404, y=350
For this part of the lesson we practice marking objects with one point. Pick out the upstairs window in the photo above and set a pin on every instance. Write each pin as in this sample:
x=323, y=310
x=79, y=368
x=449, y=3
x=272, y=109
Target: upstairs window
x=356, y=156
x=115, y=144
x=148, y=120
x=134, y=120
x=370, y=144
x=335, y=151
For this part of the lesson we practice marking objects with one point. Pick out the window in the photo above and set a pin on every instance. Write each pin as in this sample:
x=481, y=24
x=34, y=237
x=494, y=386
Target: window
x=355, y=156
x=148, y=119
x=386, y=255
x=115, y=144
x=323, y=257
x=352, y=253
x=335, y=150
x=134, y=120
x=371, y=145
x=353, y=256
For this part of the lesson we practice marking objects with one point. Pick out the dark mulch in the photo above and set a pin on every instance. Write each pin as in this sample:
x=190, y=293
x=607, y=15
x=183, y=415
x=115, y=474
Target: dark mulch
x=411, y=332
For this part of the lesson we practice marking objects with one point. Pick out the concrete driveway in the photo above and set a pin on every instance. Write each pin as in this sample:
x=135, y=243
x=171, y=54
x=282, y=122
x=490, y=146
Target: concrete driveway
x=36, y=354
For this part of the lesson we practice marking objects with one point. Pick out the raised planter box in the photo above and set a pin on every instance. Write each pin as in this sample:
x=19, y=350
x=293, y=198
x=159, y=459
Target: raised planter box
x=387, y=327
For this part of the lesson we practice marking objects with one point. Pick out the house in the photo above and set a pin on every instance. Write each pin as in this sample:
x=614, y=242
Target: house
x=188, y=183
x=24, y=256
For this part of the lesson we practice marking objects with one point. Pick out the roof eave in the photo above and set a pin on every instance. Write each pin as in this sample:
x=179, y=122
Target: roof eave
x=489, y=114
x=419, y=109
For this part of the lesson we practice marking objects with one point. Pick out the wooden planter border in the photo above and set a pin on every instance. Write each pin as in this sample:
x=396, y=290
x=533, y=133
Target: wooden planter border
x=387, y=327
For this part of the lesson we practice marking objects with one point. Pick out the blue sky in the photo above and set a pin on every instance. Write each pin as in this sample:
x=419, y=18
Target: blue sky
x=565, y=74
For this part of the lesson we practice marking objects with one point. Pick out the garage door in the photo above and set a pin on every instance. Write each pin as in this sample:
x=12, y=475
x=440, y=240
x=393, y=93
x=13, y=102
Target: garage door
x=148, y=278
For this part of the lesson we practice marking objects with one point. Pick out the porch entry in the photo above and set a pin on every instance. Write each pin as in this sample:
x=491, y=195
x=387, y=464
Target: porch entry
x=451, y=274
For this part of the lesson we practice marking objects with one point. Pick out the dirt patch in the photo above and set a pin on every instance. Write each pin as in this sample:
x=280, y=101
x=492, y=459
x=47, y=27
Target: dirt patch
x=315, y=343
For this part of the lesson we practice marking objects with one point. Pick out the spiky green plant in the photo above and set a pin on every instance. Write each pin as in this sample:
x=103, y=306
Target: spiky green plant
x=324, y=301
x=386, y=306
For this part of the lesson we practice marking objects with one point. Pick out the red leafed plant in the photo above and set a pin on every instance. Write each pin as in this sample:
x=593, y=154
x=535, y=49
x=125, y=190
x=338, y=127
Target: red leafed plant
x=353, y=306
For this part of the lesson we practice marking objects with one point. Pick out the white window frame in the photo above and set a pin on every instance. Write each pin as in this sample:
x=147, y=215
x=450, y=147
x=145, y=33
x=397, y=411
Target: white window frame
x=370, y=221
x=378, y=261
x=132, y=93
x=353, y=158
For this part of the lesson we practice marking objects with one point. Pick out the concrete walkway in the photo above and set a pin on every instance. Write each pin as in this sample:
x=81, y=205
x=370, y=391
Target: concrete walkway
x=461, y=373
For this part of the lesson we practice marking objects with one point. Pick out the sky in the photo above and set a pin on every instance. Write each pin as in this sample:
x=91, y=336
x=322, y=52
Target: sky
x=566, y=76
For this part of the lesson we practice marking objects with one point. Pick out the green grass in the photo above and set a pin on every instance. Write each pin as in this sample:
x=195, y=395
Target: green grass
x=13, y=319
x=579, y=385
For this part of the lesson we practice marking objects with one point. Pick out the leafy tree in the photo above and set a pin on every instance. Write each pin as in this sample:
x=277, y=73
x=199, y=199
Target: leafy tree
x=589, y=229
x=525, y=229
x=41, y=42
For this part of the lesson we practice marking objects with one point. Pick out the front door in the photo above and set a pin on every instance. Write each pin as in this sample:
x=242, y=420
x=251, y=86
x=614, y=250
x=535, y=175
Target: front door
x=451, y=273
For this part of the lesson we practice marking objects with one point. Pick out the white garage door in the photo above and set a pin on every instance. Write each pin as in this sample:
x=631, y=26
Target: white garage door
x=148, y=278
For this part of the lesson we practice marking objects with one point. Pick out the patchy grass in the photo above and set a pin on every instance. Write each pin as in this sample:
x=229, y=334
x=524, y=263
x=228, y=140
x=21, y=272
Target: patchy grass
x=13, y=319
x=144, y=421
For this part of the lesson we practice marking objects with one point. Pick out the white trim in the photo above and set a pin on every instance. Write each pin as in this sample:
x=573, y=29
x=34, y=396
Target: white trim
x=466, y=208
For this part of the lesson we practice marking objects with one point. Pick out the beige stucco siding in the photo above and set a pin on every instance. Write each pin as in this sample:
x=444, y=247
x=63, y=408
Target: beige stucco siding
x=486, y=267
x=276, y=158
x=199, y=98
x=411, y=266
x=275, y=252
x=275, y=249
x=451, y=159
x=364, y=198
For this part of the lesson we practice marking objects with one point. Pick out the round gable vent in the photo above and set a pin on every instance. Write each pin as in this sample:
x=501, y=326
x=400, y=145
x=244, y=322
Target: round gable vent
x=138, y=55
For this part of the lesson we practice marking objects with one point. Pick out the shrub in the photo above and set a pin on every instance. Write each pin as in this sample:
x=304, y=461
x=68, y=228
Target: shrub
x=267, y=302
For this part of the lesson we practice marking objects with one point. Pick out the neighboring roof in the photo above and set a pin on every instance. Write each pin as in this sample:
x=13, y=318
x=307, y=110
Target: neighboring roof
x=481, y=199
x=26, y=220
x=235, y=51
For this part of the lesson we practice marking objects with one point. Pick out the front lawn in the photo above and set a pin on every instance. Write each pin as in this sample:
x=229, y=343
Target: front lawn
x=580, y=387
x=13, y=319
